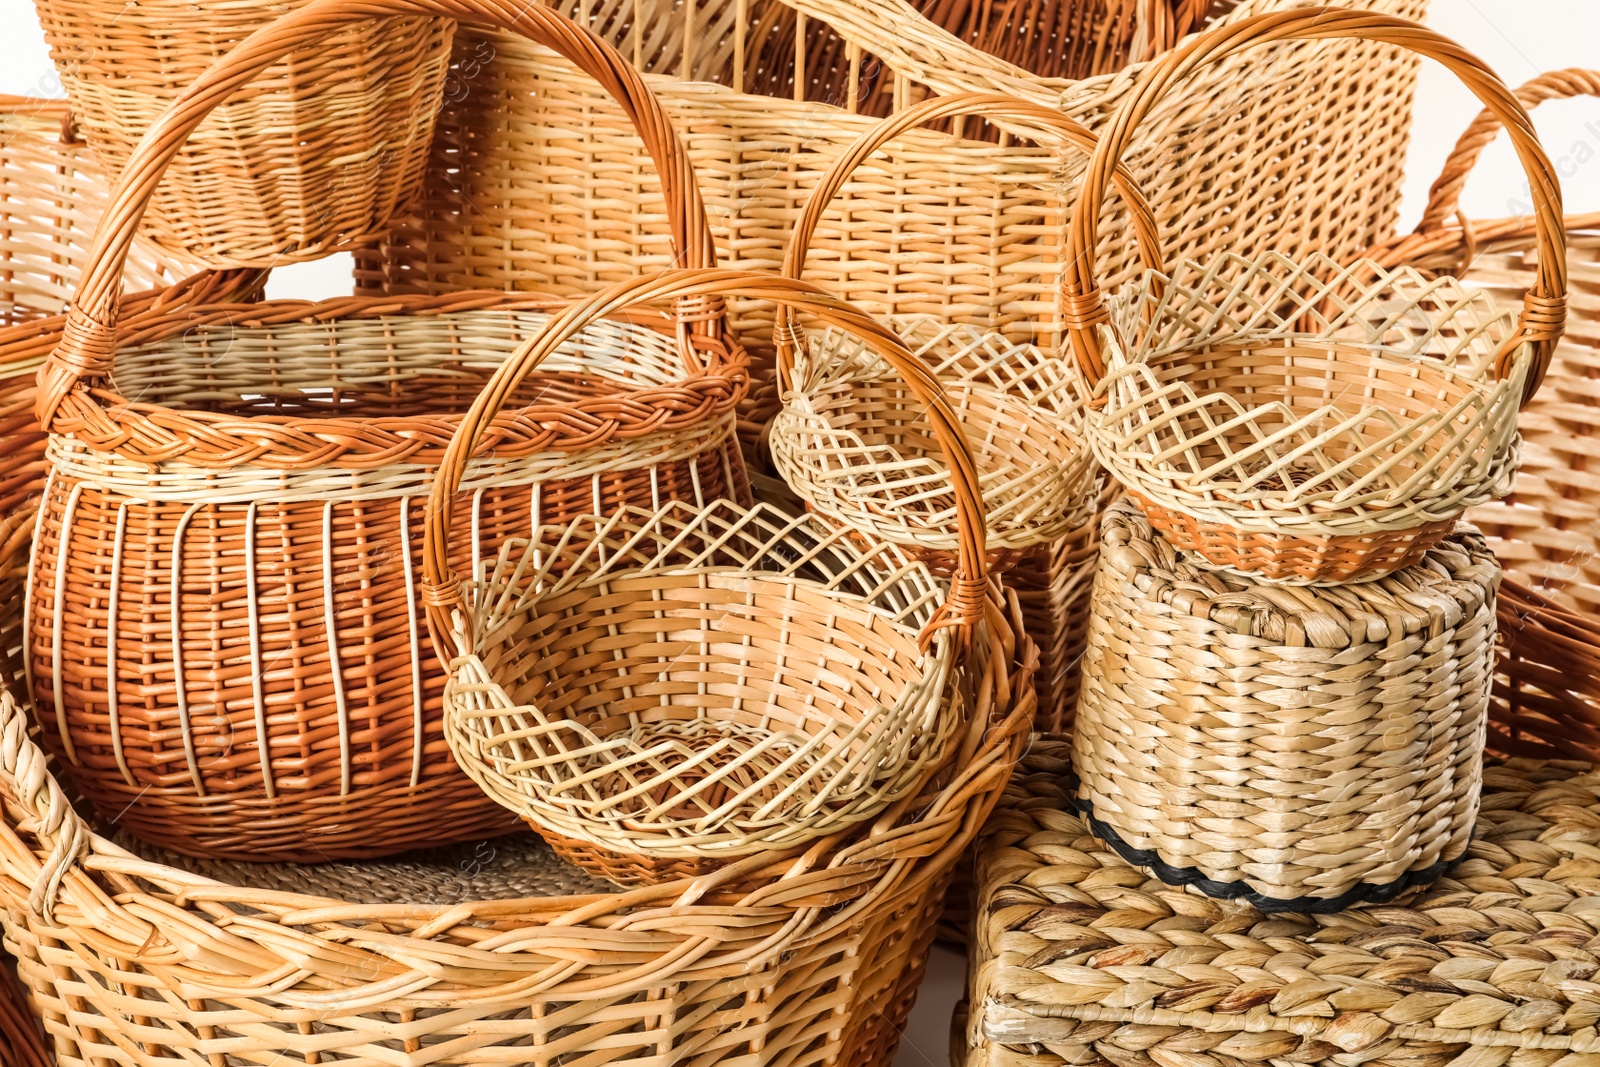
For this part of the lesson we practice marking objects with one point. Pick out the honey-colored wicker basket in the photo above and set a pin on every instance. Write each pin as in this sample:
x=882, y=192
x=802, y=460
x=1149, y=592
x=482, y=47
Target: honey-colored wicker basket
x=1302, y=749
x=850, y=439
x=1334, y=430
x=692, y=686
x=321, y=152
x=482, y=954
x=244, y=515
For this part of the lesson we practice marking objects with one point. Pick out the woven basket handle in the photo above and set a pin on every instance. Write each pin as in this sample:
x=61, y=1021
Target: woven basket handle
x=940, y=107
x=1545, y=305
x=441, y=589
x=84, y=356
x=1444, y=196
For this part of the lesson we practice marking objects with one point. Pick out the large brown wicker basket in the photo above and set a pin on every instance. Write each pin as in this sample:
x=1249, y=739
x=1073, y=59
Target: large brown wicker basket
x=244, y=515
x=1334, y=431
x=21, y=1036
x=322, y=151
x=485, y=954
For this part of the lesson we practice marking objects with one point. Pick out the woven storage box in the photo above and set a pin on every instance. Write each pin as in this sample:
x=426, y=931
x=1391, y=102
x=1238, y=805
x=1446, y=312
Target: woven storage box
x=245, y=517
x=1083, y=960
x=322, y=151
x=489, y=953
x=510, y=203
x=694, y=686
x=1290, y=417
x=1302, y=749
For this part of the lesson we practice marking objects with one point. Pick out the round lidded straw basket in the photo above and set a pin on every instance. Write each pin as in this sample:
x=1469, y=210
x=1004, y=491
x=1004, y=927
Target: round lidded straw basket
x=1332, y=430
x=321, y=153
x=852, y=441
x=236, y=501
x=1305, y=749
x=486, y=953
x=696, y=685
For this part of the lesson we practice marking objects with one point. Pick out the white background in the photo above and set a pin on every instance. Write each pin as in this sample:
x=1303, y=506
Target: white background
x=1519, y=38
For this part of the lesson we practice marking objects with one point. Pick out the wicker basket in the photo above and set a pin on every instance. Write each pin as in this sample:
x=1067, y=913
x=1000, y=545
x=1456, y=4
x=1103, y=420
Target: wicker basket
x=251, y=515
x=484, y=954
x=693, y=686
x=1084, y=960
x=851, y=440
x=1333, y=430
x=323, y=151
x=1301, y=749
x=51, y=194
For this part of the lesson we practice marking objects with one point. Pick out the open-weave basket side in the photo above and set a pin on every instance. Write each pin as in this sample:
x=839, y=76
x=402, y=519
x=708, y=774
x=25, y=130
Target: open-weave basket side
x=322, y=151
x=853, y=442
x=700, y=682
x=1348, y=400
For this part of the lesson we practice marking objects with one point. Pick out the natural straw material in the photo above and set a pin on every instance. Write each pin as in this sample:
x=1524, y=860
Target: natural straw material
x=322, y=151
x=1304, y=749
x=1083, y=960
x=851, y=441
x=481, y=956
x=242, y=510
x=21, y=1036
x=1306, y=425
x=692, y=686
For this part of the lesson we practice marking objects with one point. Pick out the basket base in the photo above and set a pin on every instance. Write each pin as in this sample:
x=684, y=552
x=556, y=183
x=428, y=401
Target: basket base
x=1360, y=893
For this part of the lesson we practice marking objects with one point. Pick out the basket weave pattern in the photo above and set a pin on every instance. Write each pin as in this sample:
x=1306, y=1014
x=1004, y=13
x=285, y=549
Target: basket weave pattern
x=323, y=152
x=1300, y=748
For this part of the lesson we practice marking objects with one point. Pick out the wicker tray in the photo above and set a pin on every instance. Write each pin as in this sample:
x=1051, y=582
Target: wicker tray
x=1083, y=960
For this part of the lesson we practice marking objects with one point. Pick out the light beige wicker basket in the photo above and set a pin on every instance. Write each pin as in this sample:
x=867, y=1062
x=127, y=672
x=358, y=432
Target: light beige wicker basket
x=321, y=152
x=486, y=954
x=1291, y=418
x=227, y=638
x=694, y=686
x=1302, y=749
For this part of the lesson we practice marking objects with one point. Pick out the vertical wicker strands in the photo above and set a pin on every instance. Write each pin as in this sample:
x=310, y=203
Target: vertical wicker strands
x=1212, y=418
x=226, y=634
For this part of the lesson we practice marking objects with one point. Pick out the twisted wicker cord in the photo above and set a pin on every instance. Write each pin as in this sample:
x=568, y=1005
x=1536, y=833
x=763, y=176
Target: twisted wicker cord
x=441, y=590
x=1543, y=315
x=989, y=105
x=90, y=332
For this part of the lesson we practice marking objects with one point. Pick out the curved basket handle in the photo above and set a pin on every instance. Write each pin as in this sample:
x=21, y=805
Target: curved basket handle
x=1444, y=196
x=441, y=590
x=1545, y=305
x=84, y=355
x=1072, y=131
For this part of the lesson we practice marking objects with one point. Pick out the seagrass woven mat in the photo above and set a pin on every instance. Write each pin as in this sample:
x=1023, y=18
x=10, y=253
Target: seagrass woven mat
x=1084, y=960
x=514, y=867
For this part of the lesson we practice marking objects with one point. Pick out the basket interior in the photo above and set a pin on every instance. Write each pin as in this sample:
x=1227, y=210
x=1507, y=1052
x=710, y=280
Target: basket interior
x=394, y=366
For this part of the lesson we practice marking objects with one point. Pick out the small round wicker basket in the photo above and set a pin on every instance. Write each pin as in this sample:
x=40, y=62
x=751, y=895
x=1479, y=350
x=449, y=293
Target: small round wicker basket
x=1304, y=749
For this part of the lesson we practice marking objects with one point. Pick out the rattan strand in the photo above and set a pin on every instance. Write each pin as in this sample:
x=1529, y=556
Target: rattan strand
x=322, y=152
x=1083, y=960
x=702, y=684
x=137, y=961
x=1246, y=481
x=1302, y=749
x=237, y=495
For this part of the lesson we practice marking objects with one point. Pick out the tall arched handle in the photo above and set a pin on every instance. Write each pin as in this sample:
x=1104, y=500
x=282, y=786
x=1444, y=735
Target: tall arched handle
x=989, y=105
x=84, y=355
x=1444, y=196
x=1545, y=306
x=442, y=590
